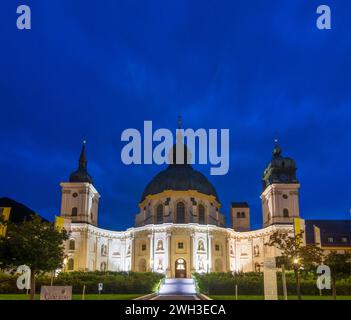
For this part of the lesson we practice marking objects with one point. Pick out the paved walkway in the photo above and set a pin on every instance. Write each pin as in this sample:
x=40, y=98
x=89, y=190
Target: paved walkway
x=177, y=289
x=176, y=297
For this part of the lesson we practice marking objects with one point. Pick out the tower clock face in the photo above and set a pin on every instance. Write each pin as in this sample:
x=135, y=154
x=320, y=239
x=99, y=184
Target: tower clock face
x=284, y=177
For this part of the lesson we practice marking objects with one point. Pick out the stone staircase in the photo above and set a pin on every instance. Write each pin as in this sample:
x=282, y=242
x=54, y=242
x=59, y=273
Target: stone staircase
x=177, y=286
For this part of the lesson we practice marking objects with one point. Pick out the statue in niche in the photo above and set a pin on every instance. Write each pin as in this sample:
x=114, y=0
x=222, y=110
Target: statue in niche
x=256, y=250
x=201, y=246
x=159, y=245
x=160, y=265
x=201, y=264
x=128, y=251
x=231, y=250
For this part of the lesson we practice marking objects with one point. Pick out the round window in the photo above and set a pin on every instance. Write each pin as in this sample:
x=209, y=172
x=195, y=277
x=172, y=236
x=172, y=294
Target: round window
x=285, y=196
x=75, y=195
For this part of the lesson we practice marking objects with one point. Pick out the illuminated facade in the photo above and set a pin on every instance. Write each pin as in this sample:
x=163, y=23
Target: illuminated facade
x=179, y=229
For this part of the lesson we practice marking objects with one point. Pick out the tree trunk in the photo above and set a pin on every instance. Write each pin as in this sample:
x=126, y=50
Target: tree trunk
x=298, y=285
x=334, y=288
x=285, y=291
x=32, y=285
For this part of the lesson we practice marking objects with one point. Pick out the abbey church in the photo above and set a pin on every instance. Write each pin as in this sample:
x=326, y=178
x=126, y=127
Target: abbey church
x=180, y=228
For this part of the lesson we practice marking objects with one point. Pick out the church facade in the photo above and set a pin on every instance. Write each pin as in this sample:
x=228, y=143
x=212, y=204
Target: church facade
x=180, y=228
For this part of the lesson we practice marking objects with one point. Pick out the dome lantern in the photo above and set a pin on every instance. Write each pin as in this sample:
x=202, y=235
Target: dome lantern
x=280, y=169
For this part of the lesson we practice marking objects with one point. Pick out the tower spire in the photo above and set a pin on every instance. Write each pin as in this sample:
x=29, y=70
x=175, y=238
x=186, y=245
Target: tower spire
x=83, y=157
x=81, y=174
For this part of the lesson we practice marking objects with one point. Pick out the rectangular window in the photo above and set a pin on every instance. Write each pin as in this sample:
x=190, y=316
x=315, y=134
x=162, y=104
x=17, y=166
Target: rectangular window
x=344, y=239
x=330, y=239
x=180, y=245
x=143, y=247
x=217, y=247
x=240, y=215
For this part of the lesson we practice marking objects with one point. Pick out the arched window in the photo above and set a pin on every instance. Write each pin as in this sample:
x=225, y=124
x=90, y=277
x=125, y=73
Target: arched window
x=286, y=212
x=74, y=211
x=70, y=264
x=159, y=214
x=72, y=245
x=180, y=212
x=103, y=250
x=201, y=214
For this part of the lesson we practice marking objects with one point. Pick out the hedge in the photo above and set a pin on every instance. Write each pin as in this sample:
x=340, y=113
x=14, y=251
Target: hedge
x=252, y=284
x=113, y=282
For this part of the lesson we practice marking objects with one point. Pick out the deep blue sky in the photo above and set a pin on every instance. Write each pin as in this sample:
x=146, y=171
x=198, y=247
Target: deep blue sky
x=93, y=68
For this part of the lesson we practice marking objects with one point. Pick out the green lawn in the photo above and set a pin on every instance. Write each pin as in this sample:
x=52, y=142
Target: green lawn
x=218, y=297
x=76, y=296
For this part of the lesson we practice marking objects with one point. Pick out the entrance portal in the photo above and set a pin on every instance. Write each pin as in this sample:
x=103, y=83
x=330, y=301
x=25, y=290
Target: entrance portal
x=180, y=268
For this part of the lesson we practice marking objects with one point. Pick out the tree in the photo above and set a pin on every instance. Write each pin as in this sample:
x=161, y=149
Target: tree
x=340, y=266
x=295, y=256
x=35, y=243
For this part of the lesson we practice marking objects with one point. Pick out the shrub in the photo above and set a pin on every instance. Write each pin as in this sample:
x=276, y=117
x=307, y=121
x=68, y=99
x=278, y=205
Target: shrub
x=252, y=283
x=114, y=282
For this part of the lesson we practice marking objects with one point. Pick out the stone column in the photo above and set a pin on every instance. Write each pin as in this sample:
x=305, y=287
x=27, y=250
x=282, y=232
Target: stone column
x=193, y=252
x=169, y=256
x=251, y=243
x=86, y=249
x=209, y=250
x=237, y=256
x=151, y=241
x=132, y=254
x=108, y=254
x=96, y=252
x=227, y=255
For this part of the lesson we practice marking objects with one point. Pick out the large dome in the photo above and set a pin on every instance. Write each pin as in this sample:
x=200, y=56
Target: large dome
x=179, y=178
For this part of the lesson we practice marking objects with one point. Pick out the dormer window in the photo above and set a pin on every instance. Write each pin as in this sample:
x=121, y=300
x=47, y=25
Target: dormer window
x=330, y=239
x=344, y=239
